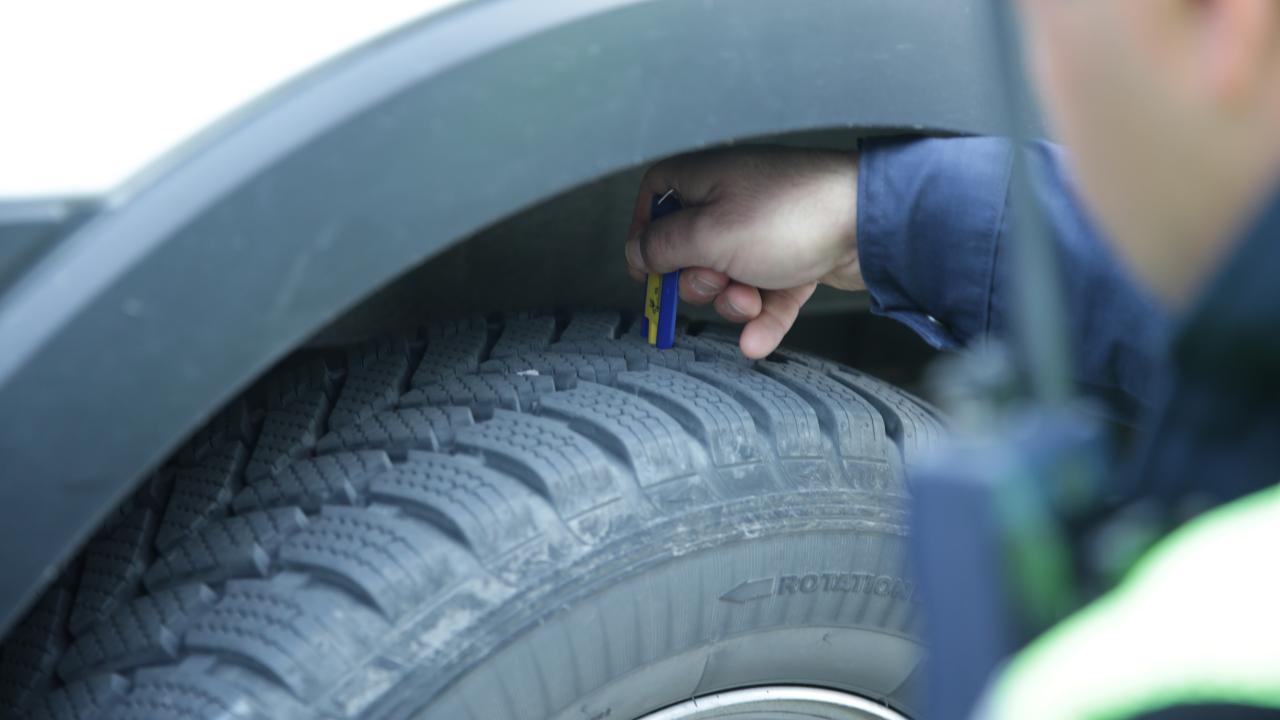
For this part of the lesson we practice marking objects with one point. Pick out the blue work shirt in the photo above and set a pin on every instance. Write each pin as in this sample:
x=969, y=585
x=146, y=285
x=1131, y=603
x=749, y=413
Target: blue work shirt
x=1205, y=392
x=932, y=226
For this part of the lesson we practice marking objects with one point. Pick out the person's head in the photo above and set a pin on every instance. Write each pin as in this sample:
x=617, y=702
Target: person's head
x=1171, y=109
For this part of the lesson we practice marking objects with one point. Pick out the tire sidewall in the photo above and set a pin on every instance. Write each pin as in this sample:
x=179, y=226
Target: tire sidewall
x=800, y=588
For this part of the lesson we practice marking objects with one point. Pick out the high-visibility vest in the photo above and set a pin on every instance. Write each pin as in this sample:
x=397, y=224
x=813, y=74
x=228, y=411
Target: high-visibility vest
x=1195, y=622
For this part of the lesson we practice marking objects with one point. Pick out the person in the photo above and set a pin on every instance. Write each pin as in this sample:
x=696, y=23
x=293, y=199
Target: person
x=1165, y=213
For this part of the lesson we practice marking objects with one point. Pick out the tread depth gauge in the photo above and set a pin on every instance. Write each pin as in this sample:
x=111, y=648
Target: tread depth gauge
x=662, y=291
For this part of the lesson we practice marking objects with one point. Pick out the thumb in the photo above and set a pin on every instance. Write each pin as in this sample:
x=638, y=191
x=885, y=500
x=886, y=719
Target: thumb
x=676, y=241
x=673, y=241
x=778, y=313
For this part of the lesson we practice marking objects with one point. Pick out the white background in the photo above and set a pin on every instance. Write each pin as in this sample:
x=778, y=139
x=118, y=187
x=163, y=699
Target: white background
x=92, y=91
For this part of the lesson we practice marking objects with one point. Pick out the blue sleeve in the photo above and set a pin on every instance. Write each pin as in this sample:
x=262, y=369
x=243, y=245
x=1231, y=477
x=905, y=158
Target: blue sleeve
x=931, y=226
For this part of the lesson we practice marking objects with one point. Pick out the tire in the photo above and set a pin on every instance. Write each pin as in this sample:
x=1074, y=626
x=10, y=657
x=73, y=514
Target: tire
x=532, y=517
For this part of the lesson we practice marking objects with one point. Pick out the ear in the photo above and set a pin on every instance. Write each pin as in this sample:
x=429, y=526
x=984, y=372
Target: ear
x=1237, y=41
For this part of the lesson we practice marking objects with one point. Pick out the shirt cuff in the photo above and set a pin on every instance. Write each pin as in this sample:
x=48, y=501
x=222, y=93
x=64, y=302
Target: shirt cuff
x=930, y=214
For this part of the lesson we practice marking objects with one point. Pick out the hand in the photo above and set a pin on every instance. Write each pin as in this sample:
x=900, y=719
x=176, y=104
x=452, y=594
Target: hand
x=762, y=226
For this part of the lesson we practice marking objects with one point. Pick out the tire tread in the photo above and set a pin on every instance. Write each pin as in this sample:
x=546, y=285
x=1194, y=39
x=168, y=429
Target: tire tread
x=350, y=497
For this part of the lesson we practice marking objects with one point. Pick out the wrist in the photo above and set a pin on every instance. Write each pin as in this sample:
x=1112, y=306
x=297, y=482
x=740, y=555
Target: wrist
x=846, y=272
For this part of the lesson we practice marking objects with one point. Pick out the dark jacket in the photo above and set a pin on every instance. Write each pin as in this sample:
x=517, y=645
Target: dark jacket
x=1201, y=390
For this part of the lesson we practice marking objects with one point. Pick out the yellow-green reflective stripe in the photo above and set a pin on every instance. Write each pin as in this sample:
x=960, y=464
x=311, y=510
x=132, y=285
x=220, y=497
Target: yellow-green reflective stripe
x=1197, y=620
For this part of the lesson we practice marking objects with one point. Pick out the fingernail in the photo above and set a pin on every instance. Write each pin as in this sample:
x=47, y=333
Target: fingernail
x=702, y=285
x=734, y=309
x=632, y=250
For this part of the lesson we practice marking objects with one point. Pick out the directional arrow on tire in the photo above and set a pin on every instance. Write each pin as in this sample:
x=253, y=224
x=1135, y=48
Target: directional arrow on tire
x=749, y=590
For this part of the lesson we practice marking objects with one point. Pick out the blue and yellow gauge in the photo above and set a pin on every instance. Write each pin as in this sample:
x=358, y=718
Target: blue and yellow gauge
x=662, y=292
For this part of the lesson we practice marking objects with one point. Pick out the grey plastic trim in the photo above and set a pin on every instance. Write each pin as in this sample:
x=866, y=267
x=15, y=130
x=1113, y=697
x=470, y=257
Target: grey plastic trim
x=30, y=227
x=130, y=333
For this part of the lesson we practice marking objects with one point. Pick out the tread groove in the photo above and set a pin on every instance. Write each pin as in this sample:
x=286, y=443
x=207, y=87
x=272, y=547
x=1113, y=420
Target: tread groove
x=910, y=424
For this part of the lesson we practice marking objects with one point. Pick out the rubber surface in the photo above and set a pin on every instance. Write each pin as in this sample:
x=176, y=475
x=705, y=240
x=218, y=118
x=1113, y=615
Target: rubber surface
x=524, y=517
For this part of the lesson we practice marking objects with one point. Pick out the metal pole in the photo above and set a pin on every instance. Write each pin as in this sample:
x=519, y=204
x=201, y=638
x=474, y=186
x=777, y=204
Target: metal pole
x=1039, y=325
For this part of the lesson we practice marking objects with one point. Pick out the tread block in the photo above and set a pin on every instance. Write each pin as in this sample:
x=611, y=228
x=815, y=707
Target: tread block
x=856, y=427
x=302, y=636
x=907, y=420
x=80, y=700
x=913, y=423
x=412, y=428
x=785, y=416
x=651, y=442
x=592, y=326
x=187, y=693
x=554, y=461
x=393, y=562
x=714, y=349
x=113, y=566
x=453, y=348
x=339, y=478
x=140, y=632
x=200, y=493
x=564, y=367
x=638, y=355
x=677, y=357
x=153, y=492
x=705, y=411
x=31, y=651
x=524, y=333
x=376, y=373
x=233, y=547
x=233, y=423
x=490, y=512
x=293, y=381
x=483, y=393
x=287, y=433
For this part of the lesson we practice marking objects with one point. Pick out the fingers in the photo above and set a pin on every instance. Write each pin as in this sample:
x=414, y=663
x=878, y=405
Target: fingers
x=768, y=314
x=657, y=180
x=778, y=312
x=680, y=239
x=687, y=174
x=654, y=182
x=699, y=286
x=738, y=303
x=673, y=242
